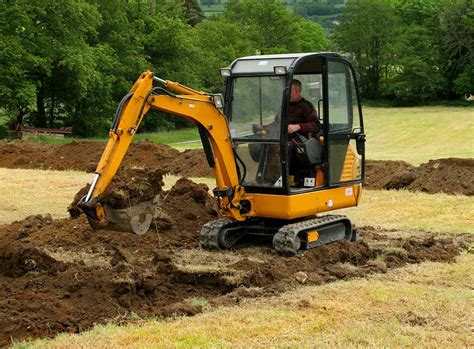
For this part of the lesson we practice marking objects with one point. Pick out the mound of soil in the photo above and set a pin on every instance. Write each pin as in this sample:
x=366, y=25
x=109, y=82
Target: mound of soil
x=450, y=176
x=60, y=275
x=84, y=156
x=379, y=172
x=132, y=186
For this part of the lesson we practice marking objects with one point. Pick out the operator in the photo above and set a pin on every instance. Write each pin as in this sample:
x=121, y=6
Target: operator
x=302, y=119
x=302, y=116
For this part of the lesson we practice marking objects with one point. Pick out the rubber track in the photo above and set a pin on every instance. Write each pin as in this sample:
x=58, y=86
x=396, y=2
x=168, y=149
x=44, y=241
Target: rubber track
x=209, y=236
x=284, y=239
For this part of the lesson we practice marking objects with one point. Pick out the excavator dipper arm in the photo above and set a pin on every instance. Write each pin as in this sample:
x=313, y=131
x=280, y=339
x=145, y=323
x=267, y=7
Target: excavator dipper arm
x=198, y=107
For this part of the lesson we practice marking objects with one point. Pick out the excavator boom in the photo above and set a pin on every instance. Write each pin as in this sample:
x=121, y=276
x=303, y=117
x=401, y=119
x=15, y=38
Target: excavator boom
x=198, y=107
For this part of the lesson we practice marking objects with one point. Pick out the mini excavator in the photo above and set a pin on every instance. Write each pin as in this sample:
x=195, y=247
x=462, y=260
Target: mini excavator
x=265, y=184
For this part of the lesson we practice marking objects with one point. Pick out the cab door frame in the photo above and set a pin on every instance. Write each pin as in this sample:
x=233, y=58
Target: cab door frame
x=342, y=137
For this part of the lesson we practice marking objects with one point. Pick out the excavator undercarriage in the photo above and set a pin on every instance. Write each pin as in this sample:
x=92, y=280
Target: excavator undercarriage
x=287, y=237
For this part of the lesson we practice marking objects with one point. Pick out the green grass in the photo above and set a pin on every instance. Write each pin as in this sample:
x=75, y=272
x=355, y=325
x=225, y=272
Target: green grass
x=171, y=137
x=179, y=138
x=441, y=131
x=419, y=134
x=404, y=210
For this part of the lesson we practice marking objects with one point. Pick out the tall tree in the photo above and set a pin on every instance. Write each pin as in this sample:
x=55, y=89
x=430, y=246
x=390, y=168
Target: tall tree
x=367, y=30
x=193, y=13
x=272, y=28
x=458, y=46
x=418, y=65
x=219, y=42
x=53, y=60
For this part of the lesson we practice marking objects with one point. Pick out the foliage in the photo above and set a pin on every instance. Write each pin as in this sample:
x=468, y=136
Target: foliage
x=69, y=63
x=238, y=32
x=3, y=131
x=367, y=31
x=193, y=12
x=46, y=58
x=458, y=46
x=220, y=42
x=315, y=9
x=410, y=51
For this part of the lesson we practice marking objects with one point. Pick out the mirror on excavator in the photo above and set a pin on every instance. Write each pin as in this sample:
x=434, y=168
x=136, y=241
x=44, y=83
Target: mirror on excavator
x=268, y=180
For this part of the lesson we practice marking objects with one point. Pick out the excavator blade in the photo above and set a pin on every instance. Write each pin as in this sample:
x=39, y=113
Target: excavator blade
x=136, y=219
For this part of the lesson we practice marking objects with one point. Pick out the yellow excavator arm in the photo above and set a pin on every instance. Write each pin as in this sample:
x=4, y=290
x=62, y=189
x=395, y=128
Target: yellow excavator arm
x=201, y=108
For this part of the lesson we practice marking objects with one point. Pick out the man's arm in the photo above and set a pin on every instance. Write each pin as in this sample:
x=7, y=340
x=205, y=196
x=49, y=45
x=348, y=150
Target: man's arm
x=310, y=122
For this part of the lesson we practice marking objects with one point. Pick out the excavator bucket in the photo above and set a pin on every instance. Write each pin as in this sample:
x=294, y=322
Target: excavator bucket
x=136, y=219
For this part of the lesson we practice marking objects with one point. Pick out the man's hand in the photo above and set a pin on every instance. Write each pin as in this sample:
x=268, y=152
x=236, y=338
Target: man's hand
x=259, y=130
x=293, y=128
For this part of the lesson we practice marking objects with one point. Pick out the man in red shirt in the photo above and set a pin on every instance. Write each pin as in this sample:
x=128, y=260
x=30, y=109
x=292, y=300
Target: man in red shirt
x=302, y=119
x=302, y=116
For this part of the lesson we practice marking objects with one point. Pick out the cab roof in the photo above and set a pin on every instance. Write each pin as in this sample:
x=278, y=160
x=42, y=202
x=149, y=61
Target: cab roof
x=296, y=62
x=291, y=55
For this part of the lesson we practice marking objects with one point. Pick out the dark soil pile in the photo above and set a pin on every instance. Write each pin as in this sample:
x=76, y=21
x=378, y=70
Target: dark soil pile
x=380, y=172
x=84, y=156
x=131, y=187
x=450, y=176
x=60, y=275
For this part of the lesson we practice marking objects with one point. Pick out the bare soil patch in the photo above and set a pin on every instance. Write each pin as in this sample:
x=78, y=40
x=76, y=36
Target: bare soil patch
x=60, y=275
x=84, y=156
x=450, y=176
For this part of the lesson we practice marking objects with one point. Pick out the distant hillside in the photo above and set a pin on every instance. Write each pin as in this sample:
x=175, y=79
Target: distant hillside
x=324, y=12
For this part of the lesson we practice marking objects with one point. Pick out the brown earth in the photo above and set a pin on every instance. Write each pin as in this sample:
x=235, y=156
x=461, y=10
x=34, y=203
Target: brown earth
x=84, y=156
x=62, y=276
x=451, y=175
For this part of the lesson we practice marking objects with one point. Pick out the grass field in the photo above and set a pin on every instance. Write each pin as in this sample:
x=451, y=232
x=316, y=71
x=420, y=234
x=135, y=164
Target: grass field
x=29, y=192
x=419, y=134
x=425, y=305
x=415, y=134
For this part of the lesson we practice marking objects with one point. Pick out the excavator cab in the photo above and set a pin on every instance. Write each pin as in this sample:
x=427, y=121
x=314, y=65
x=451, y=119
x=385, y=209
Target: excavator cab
x=267, y=183
x=257, y=98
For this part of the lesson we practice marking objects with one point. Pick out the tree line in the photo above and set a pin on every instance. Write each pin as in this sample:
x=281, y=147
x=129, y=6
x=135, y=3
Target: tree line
x=410, y=50
x=69, y=62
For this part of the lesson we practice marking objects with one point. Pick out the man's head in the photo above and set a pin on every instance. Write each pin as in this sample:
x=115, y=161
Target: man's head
x=296, y=87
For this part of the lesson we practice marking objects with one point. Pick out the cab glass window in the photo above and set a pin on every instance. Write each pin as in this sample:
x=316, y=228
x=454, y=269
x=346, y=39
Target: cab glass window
x=340, y=97
x=256, y=101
